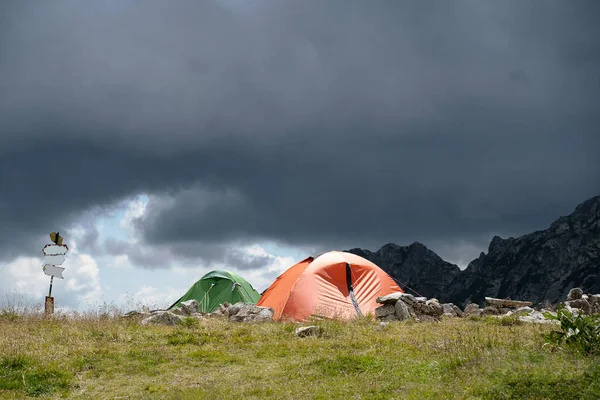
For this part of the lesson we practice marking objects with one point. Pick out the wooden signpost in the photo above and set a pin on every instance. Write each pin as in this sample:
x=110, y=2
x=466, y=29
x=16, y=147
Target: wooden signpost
x=54, y=255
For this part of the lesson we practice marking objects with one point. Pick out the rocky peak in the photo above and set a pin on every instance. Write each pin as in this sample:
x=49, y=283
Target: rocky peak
x=539, y=266
x=413, y=266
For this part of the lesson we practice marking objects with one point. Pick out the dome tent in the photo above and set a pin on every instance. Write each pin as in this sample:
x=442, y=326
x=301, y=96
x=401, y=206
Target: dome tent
x=335, y=285
x=218, y=287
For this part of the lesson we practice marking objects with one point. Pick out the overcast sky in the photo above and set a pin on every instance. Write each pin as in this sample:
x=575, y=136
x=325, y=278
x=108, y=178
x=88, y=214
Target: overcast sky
x=169, y=138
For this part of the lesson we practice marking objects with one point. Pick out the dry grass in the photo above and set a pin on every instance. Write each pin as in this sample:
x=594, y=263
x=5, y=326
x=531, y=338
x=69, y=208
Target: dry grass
x=111, y=358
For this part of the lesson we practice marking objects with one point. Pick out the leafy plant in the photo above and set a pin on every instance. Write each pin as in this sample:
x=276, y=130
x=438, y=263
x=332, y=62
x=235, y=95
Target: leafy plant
x=580, y=332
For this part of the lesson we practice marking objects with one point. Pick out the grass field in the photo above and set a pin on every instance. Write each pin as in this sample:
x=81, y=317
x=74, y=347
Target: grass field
x=114, y=358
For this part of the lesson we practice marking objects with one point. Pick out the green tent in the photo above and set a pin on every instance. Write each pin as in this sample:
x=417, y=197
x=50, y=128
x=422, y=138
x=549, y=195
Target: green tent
x=218, y=287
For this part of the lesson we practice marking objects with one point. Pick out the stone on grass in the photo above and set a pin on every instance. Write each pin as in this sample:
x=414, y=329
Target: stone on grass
x=391, y=298
x=401, y=311
x=523, y=310
x=449, y=310
x=177, y=311
x=490, y=310
x=436, y=306
x=574, y=294
x=582, y=305
x=408, y=298
x=457, y=310
x=189, y=306
x=163, y=318
x=385, y=310
x=312, y=330
x=537, y=318
x=472, y=308
x=246, y=312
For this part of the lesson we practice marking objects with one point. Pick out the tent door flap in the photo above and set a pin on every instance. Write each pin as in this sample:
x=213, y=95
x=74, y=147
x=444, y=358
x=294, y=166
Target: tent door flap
x=351, y=289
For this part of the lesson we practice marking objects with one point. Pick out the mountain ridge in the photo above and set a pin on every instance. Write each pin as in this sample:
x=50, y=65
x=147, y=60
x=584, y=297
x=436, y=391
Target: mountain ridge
x=539, y=266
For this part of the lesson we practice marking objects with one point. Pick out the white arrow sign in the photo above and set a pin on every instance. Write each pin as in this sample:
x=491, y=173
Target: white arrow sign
x=55, y=250
x=57, y=259
x=51, y=270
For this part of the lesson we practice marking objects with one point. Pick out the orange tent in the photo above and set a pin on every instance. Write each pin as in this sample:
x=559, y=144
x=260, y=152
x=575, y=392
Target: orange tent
x=335, y=285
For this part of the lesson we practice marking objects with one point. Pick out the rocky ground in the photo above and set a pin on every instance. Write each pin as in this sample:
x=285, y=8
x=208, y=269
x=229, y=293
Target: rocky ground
x=394, y=307
x=239, y=312
x=402, y=306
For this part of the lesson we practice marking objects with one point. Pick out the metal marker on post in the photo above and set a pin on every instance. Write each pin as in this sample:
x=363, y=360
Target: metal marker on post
x=54, y=255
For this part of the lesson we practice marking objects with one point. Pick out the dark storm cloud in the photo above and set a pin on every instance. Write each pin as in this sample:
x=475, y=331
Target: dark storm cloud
x=338, y=123
x=187, y=254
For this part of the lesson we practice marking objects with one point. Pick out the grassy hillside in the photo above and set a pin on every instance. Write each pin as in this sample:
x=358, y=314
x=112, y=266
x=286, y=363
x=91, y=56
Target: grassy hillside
x=111, y=358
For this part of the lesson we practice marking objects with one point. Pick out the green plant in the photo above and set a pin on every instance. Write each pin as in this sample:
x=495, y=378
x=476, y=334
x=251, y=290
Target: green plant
x=580, y=332
x=189, y=322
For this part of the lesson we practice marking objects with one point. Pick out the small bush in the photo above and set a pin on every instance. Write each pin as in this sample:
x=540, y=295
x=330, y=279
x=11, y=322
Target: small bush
x=581, y=332
x=189, y=322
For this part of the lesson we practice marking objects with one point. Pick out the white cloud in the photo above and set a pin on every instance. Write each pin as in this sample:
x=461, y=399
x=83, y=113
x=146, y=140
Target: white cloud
x=135, y=209
x=24, y=279
x=83, y=280
x=152, y=297
x=121, y=261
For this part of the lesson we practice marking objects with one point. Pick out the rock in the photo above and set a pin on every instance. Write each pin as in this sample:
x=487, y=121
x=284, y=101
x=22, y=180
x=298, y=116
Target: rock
x=575, y=294
x=505, y=310
x=385, y=310
x=305, y=331
x=391, y=298
x=538, y=318
x=421, y=299
x=420, y=308
x=472, y=308
x=189, y=306
x=402, y=311
x=581, y=304
x=136, y=314
x=490, y=310
x=594, y=300
x=221, y=311
x=457, y=310
x=388, y=318
x=408, y=298
x=523, y=311
x=435, y=306
x=476, y=313
x=507, y=302
x=574, y=311
x=246, y=312
x=383, y=324
x=162, y=318
x=178, y=311
x=449, y=310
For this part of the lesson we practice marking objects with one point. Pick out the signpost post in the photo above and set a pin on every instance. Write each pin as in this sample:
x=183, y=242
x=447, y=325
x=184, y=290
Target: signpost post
x=54, y=255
